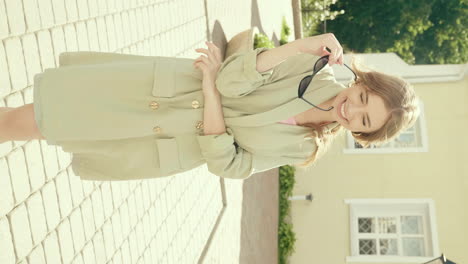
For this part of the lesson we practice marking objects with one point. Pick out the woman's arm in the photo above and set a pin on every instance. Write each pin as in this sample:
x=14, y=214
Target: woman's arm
x=213, y=119
x=314, y=45
x=272, y=57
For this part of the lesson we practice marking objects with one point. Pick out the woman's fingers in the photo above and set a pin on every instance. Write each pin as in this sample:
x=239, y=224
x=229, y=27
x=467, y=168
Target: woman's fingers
x=215, y=50
x=338, y=54
x=200, y=65
x=205, y=51
x=332, y=56
x=340, y=60
x=336, y=51
x=210, y=55
x=199, y=62
x=210, y=63
x=325, y=51
x=203, y=59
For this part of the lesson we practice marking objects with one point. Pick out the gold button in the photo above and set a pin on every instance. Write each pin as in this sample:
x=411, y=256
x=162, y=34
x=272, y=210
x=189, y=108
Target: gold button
x=157, y=129
x=195, y=104
x=154, y=105
x=200, y=124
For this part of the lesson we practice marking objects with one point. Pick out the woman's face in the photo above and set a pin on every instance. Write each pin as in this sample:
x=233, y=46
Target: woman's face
x=359, y=110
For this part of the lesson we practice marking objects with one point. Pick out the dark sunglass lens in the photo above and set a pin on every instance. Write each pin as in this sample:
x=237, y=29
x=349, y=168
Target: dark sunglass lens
x=304, y=84
x=320, y=64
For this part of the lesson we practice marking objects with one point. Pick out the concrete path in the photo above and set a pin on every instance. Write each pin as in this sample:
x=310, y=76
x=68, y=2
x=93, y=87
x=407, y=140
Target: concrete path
x=47, y=214
x=260, y=216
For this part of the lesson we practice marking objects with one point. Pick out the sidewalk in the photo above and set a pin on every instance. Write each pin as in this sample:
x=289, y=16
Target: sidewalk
x=47, y=214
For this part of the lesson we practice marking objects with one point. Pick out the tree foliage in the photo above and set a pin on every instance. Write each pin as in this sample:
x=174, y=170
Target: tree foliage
x=420, y=32
x=314, y=12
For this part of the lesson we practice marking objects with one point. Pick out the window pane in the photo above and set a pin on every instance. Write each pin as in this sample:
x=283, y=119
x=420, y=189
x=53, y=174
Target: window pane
x=406, y=138
x=387, y=225
x=413, y=246
x=386, y=145
x=411, y=129
x=388, y=247
x=366, y=225
x=367, y=247
x=411, y=225
x=405, y=141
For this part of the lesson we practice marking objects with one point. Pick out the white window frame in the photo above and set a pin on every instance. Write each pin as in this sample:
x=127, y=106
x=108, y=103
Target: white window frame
x=350, y=149
x=358, y=207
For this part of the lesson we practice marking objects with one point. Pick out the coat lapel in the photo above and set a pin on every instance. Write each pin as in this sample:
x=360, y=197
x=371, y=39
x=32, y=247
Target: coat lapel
x=289, y=109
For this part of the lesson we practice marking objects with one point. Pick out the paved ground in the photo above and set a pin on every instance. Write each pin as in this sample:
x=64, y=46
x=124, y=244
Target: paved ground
x=47, y=214
x=259, y=224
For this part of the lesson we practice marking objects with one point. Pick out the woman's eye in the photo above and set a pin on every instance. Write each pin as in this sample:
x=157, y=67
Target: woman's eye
x=361, y=98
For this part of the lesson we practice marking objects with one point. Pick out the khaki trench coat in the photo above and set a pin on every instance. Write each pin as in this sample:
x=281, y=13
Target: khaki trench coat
x=126, y=117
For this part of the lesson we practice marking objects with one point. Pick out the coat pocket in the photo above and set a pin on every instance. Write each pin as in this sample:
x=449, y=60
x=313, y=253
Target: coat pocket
x=168, y=153
x=164, y=77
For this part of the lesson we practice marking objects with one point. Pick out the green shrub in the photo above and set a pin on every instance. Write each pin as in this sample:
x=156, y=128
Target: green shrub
x=286, y=235
x=285, y=32
x=286, y=183
x=261, y=40
x=286, y=240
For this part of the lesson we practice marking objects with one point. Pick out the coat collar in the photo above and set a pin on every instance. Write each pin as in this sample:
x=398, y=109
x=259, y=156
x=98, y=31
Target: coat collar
x=288, y=109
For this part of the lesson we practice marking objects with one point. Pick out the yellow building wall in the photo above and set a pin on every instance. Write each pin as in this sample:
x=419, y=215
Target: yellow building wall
x=322, y=226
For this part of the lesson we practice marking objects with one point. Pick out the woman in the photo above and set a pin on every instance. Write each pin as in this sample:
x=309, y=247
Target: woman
x=130, y=117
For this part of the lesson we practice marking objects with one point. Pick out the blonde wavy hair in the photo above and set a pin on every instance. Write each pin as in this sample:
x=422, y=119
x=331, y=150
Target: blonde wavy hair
x=398, y=96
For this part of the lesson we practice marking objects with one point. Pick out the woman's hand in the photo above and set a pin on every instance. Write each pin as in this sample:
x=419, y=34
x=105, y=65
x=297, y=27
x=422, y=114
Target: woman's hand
x=210, y=63
x=317, y=45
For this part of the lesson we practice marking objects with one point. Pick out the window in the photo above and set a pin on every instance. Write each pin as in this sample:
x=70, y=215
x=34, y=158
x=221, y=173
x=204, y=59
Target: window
x=413, y=139
x=392, y=230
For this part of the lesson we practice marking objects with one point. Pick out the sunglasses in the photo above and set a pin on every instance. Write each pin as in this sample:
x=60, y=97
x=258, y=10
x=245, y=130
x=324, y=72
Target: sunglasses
x=304, y=84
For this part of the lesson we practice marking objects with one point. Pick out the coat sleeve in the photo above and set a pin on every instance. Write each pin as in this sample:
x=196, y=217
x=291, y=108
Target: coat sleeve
x=226, y=159
x=238, y=75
